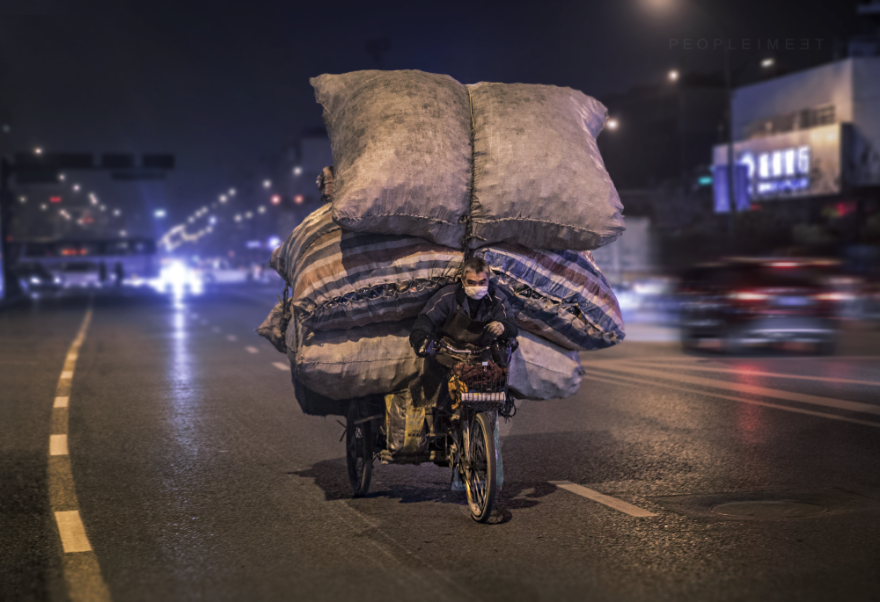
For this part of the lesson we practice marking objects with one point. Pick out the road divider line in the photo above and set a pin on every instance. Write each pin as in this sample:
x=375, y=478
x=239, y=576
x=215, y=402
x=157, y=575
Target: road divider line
x=82, y=572
x=828, y=402
x=73, y=532
x=635, y=382
x=747, y=372
x=607, y=500
x=252, y=349
x=58, y=445
x=281, y=366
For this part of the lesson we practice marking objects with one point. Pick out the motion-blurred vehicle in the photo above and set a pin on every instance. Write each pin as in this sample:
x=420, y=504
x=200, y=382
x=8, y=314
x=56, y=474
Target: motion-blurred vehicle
x=36, y=281
x=740, y=303
x=177, y=278
x=80, y=274
x=219, y=271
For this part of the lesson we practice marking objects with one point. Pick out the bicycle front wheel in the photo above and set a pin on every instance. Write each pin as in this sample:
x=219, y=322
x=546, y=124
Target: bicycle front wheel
x=480, y=464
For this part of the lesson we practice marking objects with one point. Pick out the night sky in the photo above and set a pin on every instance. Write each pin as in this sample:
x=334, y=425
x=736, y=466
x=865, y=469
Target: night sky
x=223, y=85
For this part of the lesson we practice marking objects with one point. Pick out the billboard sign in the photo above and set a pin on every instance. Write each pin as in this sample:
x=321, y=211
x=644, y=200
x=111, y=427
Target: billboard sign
x=803, y=163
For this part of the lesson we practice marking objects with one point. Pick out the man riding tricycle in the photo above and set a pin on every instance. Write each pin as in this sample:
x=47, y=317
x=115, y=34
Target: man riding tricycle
x=449, y=413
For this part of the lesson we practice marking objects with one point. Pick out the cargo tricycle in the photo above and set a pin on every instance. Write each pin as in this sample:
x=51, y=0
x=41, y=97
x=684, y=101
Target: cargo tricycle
x=461, y=432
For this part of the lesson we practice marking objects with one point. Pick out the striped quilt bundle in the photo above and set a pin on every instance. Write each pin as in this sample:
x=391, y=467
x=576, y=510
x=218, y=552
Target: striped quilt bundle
x=561, y=296
x=346, y=279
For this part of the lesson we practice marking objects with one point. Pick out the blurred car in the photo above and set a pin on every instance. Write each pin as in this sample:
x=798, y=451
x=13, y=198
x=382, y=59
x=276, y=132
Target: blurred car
x=178, y=278
x=81, y=274
x=36, y=281
x=740, y=303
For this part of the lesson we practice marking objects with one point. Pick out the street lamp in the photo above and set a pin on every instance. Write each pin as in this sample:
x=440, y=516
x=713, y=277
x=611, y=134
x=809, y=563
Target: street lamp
x=267, y=183
x=38, y=151
x=159, y=213
x=222, y=198
x=297, y=171
x=612, y=124
x=673, y=75
x=768, y=62
x=232, y=192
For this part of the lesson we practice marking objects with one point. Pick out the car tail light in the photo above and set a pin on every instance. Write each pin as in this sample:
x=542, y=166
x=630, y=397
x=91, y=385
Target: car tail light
x=833, y=297
x=749, y=296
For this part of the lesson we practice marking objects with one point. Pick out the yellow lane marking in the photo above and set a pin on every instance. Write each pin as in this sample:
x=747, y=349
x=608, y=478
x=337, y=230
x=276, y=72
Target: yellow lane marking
x=82, y=572
x=639, y=382
x=828, y=402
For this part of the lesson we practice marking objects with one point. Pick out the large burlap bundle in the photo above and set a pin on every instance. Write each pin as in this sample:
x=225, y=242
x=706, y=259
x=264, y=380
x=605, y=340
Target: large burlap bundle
x=349, y=279
x=285, y=257
x=540, y=370
x=539, y=179
x=402, y=151
x=342, y=364
x=561, y=296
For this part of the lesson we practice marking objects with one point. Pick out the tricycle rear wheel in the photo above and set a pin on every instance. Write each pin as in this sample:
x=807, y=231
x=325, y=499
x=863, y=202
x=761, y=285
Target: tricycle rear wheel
x=359, y=450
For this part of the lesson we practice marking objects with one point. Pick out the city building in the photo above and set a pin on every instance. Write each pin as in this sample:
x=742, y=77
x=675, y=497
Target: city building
x=807, y=143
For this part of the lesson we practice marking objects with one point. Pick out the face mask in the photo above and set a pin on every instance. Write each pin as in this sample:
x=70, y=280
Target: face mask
x=476, y=292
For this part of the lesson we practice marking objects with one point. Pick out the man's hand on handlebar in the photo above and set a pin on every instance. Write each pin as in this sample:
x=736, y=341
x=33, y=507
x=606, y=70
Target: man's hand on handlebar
x=425, y=347
x=496, y=329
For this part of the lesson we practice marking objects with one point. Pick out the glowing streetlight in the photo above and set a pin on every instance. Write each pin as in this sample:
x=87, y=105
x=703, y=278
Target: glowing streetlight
x=61, y=177
x=673, y=75
x=267, y=183
x=232, y=192
x=212, y=220
x=43, y=207
x=123, y=233
x=768, y=62
x=159, y=213
x=261, y=209
x=22, y=199
x=117, y=213
x=38, y=151
x=222, y=198
x=276, y=199
x=248, y=215
x=612, y=124
x=76, y=187
x=298, y=199
x=297, y=171
x=238, y=217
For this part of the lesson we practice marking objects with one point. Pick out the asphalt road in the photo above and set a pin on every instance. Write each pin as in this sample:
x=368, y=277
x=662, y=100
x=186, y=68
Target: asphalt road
x=196, y=477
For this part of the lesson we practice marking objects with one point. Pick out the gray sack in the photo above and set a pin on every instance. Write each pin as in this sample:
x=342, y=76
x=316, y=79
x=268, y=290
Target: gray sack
x=539, y=179
x=342, y=364
x=402, y=152
x=541, y=370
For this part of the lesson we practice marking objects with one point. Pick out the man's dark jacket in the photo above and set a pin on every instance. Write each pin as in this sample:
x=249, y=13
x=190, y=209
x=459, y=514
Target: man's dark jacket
x=493, y=307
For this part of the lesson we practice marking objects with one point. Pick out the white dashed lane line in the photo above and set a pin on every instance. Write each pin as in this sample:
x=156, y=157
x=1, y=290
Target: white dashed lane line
x=281, y=366
x=72, y=531
x=252, y=350
x=61, y=402
x=58, y=445
x=607, y=500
